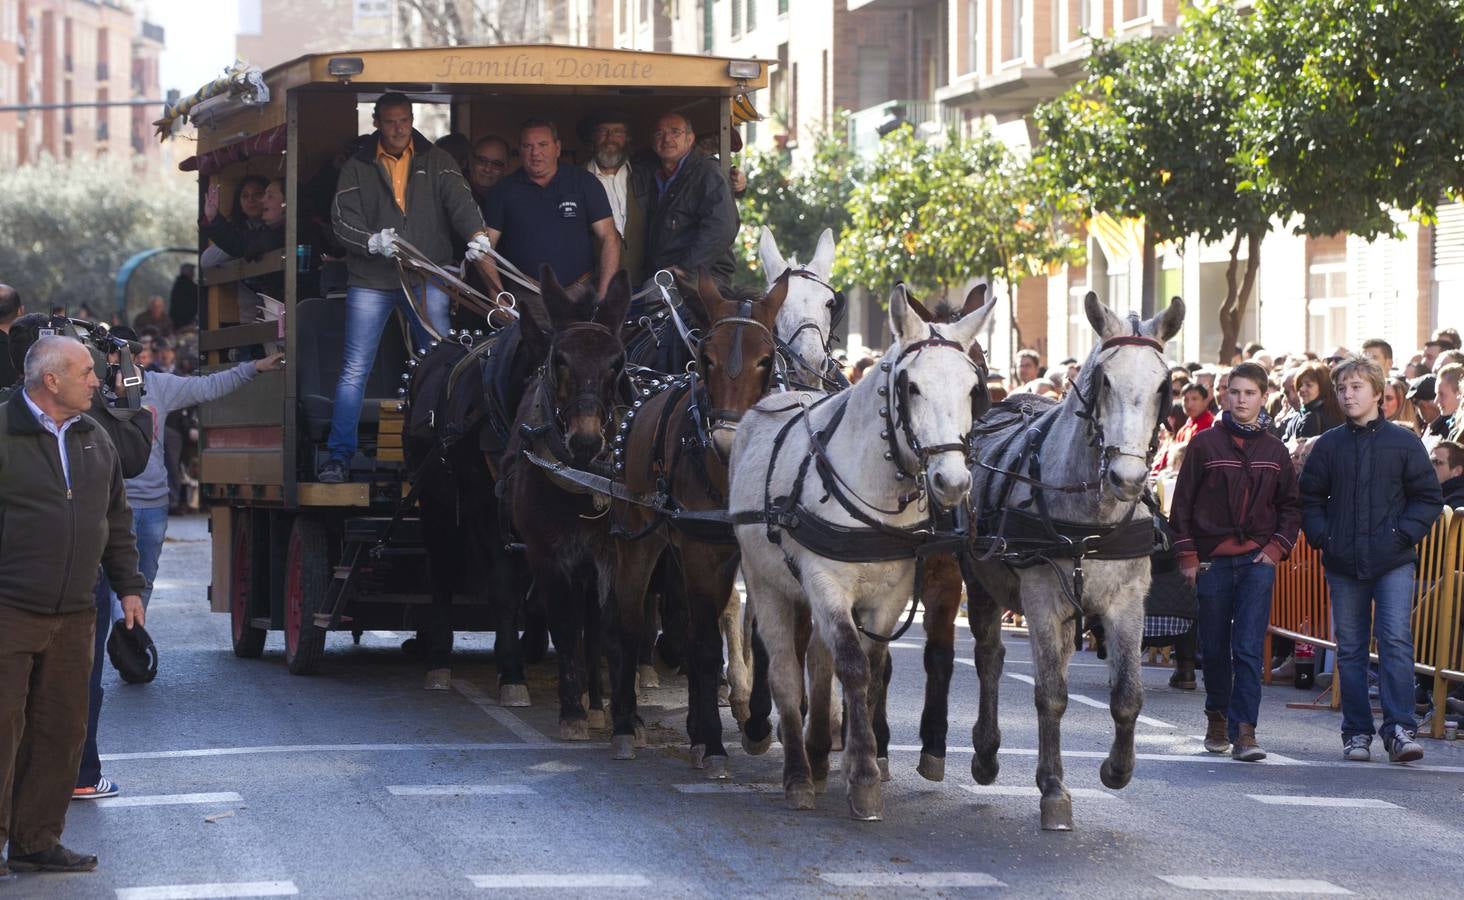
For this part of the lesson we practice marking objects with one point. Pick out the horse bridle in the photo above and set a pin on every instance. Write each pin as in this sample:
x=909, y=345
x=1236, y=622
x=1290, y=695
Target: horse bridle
x=1091, y=412
x=832, y=376
x=717, y=419
x=556, y=415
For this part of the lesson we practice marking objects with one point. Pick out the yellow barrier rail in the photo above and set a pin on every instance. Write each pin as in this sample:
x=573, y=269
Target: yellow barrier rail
x=1301, y=609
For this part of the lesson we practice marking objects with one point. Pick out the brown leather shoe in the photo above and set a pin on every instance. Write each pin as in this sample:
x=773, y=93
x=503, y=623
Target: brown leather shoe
x=1217, y=735
x=57, y=859
x=1246, y=749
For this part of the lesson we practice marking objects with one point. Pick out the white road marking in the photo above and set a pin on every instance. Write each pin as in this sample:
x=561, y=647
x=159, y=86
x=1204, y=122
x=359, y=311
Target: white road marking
x=1089, y=701
x=170, y=800
x=457, y=790
x=1240, y=885
x=214, y=890
x=386, y=635
x=1335, y=802
x=910, y=879
x=351, y=748
x=521, y=729
x=723, y=787
x=1012, y=790
x=562, y=882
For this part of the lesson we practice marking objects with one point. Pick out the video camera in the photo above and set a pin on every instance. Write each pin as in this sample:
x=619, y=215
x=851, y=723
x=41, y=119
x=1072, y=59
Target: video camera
x=98, y=338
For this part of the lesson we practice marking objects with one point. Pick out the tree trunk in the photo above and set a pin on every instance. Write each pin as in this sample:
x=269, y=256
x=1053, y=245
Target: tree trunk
x=1237, y=297
x=1148, y=286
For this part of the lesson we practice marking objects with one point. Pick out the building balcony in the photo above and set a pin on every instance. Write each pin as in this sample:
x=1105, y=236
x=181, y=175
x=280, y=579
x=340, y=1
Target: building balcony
x=929, y=119
x=1007, y=93
x=892, y=4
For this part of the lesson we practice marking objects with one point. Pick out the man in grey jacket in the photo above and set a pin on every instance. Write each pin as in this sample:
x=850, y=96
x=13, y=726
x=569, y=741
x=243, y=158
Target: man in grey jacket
x=398, y=185
x=148, y=495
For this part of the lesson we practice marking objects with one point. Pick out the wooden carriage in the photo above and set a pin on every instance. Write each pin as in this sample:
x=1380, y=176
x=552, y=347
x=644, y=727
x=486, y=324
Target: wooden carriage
x=283, y=543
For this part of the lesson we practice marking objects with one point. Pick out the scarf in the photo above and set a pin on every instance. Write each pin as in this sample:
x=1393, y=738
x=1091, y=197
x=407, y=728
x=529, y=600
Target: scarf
x=1259, y=426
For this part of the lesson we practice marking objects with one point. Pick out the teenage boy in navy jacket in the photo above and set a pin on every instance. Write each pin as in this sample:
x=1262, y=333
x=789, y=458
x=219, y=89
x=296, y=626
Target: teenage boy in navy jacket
x=1369, y=495
x=1235, y=515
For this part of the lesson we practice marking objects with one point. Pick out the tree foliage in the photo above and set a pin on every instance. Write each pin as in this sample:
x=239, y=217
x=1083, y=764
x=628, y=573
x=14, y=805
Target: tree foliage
x=68, y=226
x=1358, y=109
x=935, y=214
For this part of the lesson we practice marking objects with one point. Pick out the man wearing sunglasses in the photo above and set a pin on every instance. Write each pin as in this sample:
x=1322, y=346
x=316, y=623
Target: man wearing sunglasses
x=487, y=165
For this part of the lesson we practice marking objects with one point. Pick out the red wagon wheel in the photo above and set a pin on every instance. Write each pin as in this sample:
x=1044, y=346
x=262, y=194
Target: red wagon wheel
x=307, y=576
x=248, y=640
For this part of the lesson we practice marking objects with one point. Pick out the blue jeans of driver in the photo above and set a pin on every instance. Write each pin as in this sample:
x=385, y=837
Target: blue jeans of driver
x=150, y=524
x=367, y=312
x=1235, y=606
x=1361, y=610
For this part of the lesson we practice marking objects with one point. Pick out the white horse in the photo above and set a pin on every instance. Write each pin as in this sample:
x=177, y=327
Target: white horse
x=1046, y=473
x=805, y=327
x=811, y=482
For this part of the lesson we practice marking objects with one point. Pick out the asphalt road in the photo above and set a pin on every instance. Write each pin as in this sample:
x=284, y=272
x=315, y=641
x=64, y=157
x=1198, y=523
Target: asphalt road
x=241, y=780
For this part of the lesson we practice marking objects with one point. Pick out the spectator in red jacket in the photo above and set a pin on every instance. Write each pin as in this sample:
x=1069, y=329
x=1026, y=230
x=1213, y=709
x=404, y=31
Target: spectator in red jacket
x=1198, y=418
x=1236, y=514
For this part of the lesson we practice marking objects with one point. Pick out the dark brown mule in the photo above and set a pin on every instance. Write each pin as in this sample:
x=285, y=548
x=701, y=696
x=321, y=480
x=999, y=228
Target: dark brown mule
x=566, y=416
x=675, y=444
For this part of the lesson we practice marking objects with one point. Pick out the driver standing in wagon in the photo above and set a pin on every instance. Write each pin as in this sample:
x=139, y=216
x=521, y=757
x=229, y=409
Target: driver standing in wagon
x=397, y=183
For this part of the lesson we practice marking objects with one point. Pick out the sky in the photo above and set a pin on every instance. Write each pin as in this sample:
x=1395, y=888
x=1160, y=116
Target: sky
x=200, y=39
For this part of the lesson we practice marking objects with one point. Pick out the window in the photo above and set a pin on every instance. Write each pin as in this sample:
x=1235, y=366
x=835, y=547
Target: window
x=751, y=15
x=1015, y=10
x=782, y=7
x=973, y=35
x=736, y=17
x=708, y=35
x=1326, y=301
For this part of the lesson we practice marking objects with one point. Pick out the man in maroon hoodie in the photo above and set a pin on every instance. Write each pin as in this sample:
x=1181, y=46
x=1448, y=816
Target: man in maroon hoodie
x=1236, y=513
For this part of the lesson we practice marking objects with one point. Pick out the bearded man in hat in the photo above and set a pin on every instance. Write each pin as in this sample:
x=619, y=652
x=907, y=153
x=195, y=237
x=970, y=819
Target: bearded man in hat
x=608, y=134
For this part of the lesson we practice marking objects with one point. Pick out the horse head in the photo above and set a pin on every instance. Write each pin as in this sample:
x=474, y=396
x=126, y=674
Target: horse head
x=1123, y=391
x=942, y=311
x=736, y=352
x=813, y=309
x=583, y=359
x=931, y=395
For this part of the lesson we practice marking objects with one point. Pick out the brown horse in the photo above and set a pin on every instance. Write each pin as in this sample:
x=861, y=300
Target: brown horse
x=566, y=416
x=674, y=444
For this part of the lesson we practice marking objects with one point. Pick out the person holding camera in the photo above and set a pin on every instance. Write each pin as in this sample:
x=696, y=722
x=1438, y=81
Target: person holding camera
x=63, y=512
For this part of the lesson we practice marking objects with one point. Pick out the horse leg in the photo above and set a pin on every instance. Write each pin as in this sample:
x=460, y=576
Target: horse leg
x=1051, y=634
x=566, y=626
x=757, y=731
x=739, y=662
x=707, y=590
x=589, y=600
x=634, y=563
x=1124, y=627
x=819, y=734
x=880, y=661
x=942, y=592
x=852, y=664
x=985, y=618
x=503, y=575
x=647, y=677
x=776, y=624
x=444, y=544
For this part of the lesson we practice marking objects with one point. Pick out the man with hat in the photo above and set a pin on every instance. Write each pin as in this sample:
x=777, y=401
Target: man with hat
x=64, y=513
x=608, y=134
x=1421, y=391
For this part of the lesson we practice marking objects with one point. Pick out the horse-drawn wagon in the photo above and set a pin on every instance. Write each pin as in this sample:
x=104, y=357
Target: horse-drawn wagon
x=289, y=553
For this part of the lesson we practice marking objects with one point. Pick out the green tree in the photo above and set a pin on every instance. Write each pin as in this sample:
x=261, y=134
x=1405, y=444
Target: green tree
x=1357, y=109
x=1152, y=132
x=68, y=226
x=796, y=202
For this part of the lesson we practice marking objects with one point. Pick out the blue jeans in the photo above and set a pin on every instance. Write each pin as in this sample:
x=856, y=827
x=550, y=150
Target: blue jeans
x=1363, y=609
x=150, y=524
x=1235, y=607
x=367, y=312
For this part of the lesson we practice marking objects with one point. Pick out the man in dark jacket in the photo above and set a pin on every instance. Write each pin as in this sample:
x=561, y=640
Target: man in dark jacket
x=1448, y=463
x=397, y=185
x=691, y=218
x=62, y=512
x=1235, y=513
x=1368, y=497
x=183, y=299
x=10, y=309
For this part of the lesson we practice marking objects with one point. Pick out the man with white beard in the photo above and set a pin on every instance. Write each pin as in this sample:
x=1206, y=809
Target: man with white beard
x=608, y=134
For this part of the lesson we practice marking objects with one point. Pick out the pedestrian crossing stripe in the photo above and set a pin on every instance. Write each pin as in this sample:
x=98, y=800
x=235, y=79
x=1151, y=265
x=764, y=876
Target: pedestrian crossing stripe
x=1244, y=885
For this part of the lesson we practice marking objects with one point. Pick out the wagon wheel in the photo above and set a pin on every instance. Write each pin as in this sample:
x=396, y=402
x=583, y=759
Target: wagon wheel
x=307, y=576
x=245, y=557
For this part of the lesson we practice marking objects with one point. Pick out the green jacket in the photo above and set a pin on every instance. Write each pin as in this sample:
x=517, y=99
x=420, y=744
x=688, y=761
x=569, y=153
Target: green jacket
x=441, y=215
x=52, y=537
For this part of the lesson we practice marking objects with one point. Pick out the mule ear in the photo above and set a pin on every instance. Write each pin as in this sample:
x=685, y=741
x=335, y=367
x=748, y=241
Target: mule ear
x=919, y=308
x=823, y=255
x=972, y=322
x=1167, y=324
x=1104, y=320
x=556, y=303
x=773, y=300
x=905, y=323
x=531, y=332
x=612, y=308
x=974, y=300
x=767, y=251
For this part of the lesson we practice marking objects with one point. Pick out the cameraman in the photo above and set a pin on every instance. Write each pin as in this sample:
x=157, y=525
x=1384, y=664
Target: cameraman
x=149, y=496
x=64, y=512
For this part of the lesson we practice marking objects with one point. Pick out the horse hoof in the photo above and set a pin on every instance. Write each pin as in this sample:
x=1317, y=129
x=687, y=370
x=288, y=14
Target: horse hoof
x=799, y=796
x=724, y=695
x=836, y=743
x=756, y=747
x=819, y=770
x=866, y=802
x=699, y=756
x=574, y=730
x=597, y=719
x=741, y=711
x=1057, y=813
x=820, y=785
x=1113, y=777
x=622, y=746
x=931, y=767
x=984, y=769
x=717, y=768
x=640, y=737
x=514, y=695
x=650, y=679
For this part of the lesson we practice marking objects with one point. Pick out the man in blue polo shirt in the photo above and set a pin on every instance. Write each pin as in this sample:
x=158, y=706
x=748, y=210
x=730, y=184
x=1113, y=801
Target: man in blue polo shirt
x=548, y=214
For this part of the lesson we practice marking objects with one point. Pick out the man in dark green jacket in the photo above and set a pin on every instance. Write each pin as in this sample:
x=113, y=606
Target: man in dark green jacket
x=63, y=511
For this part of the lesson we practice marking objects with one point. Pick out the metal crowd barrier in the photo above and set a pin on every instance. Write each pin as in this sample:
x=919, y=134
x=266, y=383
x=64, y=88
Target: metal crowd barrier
x=1301, y=610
